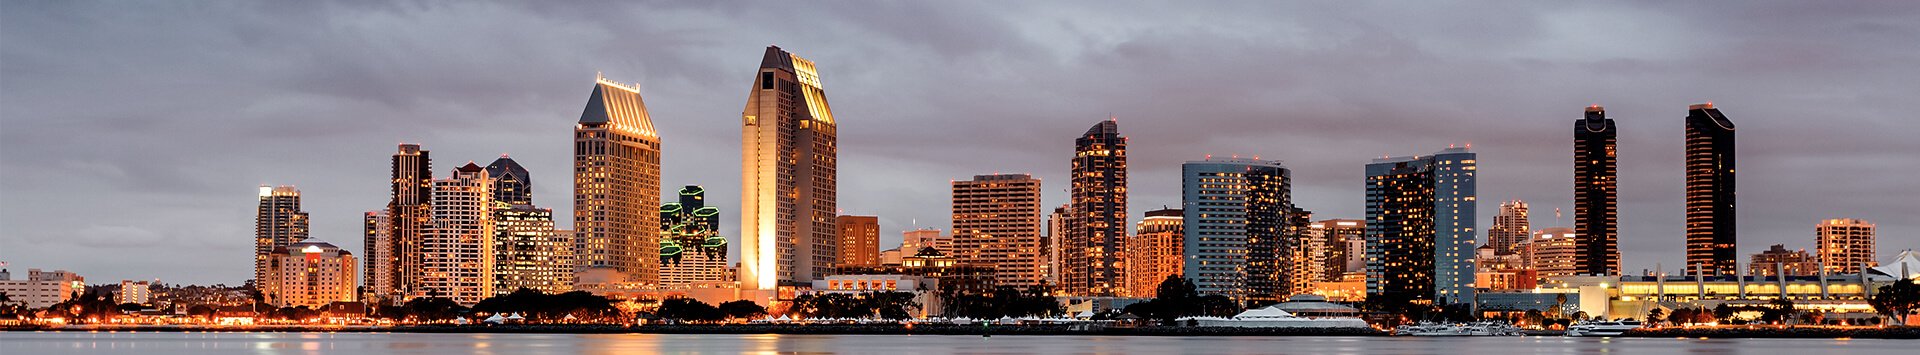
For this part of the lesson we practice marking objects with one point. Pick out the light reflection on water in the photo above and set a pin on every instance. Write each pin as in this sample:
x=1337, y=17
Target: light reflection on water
x=163, y=343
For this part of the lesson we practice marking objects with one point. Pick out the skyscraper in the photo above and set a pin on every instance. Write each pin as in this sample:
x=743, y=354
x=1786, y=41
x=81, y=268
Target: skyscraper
x=1056, y=236
x=409, y=214
x=787, y=185
x=526, y=254
x=1344, y=243
x=1844, y=245
x=616, y=185
x=1554, y=252
x=1097, y=224
x=1155, y=251
x=277, y=223
x=1237, y=215
x=457, y=257
x=511, y=183
x=1420, y=220
x=859, y=241
x=377, y=240
x=1510, y=227
x=1710, y=192
x=692, y=251
x=1596, y=196
x=996, y=221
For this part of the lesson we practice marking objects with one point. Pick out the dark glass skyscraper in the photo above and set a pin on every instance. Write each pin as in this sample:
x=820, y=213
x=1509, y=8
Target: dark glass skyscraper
x=511, y=183
x=278, y=223
x=1710, y=192
x=1239, y=230
x=1420, y=219
x=1097, y=220
x=1596, y=196
x=410, y=215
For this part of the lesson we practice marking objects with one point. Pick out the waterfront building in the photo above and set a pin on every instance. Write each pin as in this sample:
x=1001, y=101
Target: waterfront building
x=996, y=222
x=1154, y=252
x=1420, y=227
x=135, y=292
x=42, y=289
x=1343, y=244
x=788, y=161
x=1097, y=225
x=859, y=240
x=376, y=242
x=526, y=252
x=692, y=251
x=1554, y=252
x=1510, y=227
x=311, y=273
x=1711, y=241
x=1844, y=245
x=1237, y=216
x=457, y=257
x=409, y=218
x=278, y=222
x=928, y=262
x=1596, y=195
x=616, y=185
x=1777, y=260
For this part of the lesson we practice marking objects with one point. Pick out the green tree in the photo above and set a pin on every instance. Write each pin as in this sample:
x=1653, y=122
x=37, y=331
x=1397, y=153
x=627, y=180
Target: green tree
x=1897, y=300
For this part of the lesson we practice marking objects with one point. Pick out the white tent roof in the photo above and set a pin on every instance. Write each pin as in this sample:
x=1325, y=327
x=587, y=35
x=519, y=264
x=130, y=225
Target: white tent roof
x=496, y=318
x=1267, y=312
x=516, y=316
x=1907, y=264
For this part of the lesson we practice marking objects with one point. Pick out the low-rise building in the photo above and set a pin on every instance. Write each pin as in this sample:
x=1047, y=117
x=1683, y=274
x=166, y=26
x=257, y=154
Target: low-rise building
x=310, y=273
x=41, y=289
x=135, y=292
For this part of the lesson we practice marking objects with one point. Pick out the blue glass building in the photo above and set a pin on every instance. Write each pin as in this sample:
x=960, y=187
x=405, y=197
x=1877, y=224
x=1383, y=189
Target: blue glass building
x=1420, y=227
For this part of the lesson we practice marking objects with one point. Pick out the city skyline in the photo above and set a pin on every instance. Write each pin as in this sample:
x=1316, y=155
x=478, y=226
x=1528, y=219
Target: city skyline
x=176, y=203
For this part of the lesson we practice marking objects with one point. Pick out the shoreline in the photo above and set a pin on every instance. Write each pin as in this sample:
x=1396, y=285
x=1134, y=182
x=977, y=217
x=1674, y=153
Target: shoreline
x=1906, y=332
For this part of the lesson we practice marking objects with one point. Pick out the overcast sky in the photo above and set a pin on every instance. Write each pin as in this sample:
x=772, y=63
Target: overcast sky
x=133, y=134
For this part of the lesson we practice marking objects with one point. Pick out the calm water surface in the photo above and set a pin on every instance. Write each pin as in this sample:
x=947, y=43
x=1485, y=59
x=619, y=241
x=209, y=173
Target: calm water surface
x=59, y=343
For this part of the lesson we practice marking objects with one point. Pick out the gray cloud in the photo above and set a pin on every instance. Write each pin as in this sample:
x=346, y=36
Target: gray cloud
x=139, y=130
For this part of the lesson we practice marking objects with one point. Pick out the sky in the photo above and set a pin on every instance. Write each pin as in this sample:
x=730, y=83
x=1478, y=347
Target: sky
x=133, y=135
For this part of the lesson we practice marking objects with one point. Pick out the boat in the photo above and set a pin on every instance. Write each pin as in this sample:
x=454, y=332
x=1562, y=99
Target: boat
x=1429, y=329
x=1601, y=328
x=1274, y=317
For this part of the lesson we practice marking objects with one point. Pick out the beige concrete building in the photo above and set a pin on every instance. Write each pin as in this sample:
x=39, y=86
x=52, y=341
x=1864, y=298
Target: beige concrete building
x=278, y=222
x=41, y=289
x=1844, y=245
x=859, y=241
x=458, y=255
x=1552, y=252
x=311, y=273
x=1154, y=252
x=527, y=254
x=788, y=159
x=616, y=185
x=996, y=222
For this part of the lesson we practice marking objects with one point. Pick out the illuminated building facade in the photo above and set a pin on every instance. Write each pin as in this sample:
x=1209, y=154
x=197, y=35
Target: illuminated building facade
x=1510, y=227
x=1154, y=252
x=1711, y=239
x=1596, y=195
x=410, y=216
x=512, y=185
x=1420, y=220
x=457, y=257
x=911, y=241
x=310, y=273
x=996, y=222
x=1778, y=260
x=1343, y=246
x=788, y=171
x=1056, y=234
x=1844, y=245
x=277, y=223
x=376, y=240
x=526, y=252
x=859, y=240
x=1237, y=215
x=42, y=289
x=1554, y=252
x=135, y=292
x=1097, y=219
x=616, y=185
x=692, y=251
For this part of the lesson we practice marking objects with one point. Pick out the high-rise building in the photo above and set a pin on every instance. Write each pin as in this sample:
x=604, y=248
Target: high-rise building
x=566, y=257
x=1711, y=239
x=457, y=257
x=692, y=251
x=1155, y=251
x=788, y=158
x=310, y=273
x=616, y=185
x=996, y=222
x=377, y=242
x=1056, y=235
x=1097, y=226
x=1236, y=217
x=859, y=241
x=526, y=254
x=1343, y=243
x=278, y=222
x=1553, y=252
x=1420, y=220
x=911, y=241
x=1844, y=245
x=1596, y=195
x=511, y=183
x=1777, y=260
x=410, y=216
x=1510, y=227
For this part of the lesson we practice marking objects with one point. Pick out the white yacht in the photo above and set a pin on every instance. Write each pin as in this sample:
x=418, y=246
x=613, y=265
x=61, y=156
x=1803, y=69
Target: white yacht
x=1273, y=317
x=1601, y=328
x=1427, y=329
